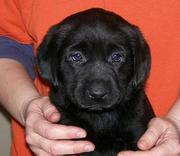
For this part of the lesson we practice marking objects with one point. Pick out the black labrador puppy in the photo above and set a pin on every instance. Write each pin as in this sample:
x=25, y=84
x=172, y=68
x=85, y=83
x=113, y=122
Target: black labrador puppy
x=97, y=64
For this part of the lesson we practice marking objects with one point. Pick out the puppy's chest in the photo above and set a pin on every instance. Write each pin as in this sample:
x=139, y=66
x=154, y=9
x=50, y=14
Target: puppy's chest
x=105, y=131
x=99, y=124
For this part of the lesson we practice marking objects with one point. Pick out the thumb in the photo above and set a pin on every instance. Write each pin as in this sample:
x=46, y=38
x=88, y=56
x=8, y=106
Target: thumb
x=49, y=111
x=152, y=134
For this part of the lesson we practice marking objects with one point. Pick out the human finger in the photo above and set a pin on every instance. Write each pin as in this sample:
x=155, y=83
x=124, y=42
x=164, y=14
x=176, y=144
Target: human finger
x=167, y=148
x=150, y=137
x=49, y=110
x=60, y=147
x=57, y=131
x=38, y=152
x=140, y=153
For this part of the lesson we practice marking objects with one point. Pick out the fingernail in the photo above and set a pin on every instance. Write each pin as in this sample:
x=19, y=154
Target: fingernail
x=80, y=134
x=56, y=115
x=89, y=148
x=142, y=144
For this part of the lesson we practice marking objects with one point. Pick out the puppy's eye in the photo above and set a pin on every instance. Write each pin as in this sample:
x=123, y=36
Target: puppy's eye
x=117, y=57
x=76, y=57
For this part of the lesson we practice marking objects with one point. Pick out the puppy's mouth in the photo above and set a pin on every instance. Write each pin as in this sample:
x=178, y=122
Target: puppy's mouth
x=97, y=105
x=97, y=108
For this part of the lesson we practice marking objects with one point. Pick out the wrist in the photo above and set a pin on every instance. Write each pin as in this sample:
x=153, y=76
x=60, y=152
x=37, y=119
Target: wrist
x=174, y=114
x=174, y=120
x=24, y=107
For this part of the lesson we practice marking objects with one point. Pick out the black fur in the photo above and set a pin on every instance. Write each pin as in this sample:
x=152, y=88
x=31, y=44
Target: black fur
x=97, y=64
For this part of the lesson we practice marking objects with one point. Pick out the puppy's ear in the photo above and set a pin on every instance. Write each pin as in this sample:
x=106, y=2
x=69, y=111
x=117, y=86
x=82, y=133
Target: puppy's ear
x=142, y=60
x=47, y=56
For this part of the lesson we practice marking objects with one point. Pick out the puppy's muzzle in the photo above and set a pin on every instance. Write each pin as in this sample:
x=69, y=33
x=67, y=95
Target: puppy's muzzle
x=97, y=91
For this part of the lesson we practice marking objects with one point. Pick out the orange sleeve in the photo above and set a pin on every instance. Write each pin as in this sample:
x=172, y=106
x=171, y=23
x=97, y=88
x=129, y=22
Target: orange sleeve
x=12, y=25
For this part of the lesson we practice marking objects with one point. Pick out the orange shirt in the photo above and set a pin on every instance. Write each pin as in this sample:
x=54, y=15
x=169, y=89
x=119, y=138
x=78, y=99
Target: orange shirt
x=28, y=21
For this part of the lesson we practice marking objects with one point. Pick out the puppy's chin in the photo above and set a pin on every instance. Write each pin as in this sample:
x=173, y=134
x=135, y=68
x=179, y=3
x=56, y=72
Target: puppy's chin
x=97, y=107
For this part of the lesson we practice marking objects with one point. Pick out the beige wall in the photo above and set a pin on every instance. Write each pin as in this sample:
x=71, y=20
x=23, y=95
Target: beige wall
x=5, y=133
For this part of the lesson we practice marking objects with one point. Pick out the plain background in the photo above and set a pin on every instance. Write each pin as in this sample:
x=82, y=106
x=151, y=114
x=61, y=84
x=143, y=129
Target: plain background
x=5, y=133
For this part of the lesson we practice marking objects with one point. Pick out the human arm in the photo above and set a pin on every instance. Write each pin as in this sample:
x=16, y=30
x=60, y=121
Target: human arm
x=16, y=66
x=20, y=97
x=162, y=137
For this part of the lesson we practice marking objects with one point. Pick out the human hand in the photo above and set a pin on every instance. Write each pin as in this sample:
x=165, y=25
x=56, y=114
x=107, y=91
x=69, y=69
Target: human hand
x=48, y=139
x=162, y=138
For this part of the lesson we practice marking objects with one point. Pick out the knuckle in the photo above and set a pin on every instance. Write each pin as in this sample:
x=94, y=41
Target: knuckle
x=75, y=148
x=42, y=129
x=29, y=139
x=150, y=138
x=53, y=149
x=48, y=110
x=29, y=120
x=155, y=120
x=150, y=134
x=47, y=133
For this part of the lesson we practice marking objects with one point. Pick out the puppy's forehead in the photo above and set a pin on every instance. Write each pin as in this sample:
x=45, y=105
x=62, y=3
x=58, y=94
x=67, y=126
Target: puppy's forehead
x=97, y=28
x=99, y=34
x=96, y=22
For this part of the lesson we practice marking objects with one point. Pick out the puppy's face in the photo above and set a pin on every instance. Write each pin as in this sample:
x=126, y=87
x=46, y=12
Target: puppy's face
x=95, y=67
x=95, y=58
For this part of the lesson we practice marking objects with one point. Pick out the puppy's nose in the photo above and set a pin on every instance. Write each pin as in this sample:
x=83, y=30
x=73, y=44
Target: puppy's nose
x=97, y=91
